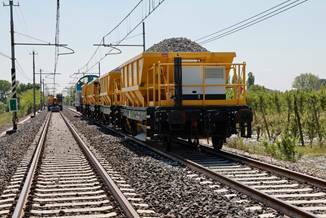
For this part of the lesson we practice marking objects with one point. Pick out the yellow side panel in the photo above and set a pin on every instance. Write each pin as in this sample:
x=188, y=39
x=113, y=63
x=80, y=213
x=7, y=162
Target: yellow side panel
x=147, y=72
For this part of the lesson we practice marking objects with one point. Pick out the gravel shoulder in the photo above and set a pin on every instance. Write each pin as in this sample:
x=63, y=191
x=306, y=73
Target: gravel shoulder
x=169, y=188
x=4, y=127
x=13, y=147
x=311, y=165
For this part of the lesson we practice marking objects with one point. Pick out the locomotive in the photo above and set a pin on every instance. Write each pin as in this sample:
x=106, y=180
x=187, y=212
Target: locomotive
x=166, y=95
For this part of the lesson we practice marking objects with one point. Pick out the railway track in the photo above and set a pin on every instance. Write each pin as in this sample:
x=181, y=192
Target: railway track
x=294, y=194
x=64, y=178
x=291, y=193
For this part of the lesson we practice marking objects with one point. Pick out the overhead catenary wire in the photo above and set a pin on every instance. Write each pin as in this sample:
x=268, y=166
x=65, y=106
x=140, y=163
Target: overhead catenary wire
x=154, y=6
x=226, y=28
x=18, y=64
x=251, y=22
x=20, y=12
x=4, y=55
x=114, y=28
x=21, y=69
x=31, y=37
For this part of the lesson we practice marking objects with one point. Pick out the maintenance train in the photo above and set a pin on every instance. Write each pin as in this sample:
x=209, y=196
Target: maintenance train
x=188, y=95
x=55, y=102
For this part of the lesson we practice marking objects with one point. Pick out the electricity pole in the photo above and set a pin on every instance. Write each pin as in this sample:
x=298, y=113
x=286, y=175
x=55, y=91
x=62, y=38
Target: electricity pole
x=41, y=95
x=13, y=67
x=144, y=45
x=34, y=97
x=99, y=69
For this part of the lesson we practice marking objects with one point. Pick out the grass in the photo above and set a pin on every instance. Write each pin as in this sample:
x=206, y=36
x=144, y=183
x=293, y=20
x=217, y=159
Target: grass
x=313, y=150
x=25, y=106
x=276, y=150
x=253, y=148
x=5, y=118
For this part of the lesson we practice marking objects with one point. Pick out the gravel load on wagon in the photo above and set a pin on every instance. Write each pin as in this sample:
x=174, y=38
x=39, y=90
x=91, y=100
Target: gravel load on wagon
x=179, y=44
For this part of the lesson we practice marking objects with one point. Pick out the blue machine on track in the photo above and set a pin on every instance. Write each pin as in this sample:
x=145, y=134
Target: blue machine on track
x=83, y=80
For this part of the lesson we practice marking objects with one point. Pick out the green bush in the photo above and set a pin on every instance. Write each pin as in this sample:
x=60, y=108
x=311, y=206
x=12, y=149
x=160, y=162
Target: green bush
x=271, y=149
x=26, y=102
x=3, y=107
x=287, y=146
x=278, y=117
x=25, y=106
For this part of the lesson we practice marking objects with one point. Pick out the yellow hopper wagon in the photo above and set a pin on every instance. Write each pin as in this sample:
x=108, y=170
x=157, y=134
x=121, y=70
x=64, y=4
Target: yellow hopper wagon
x=110, y=97
x=189, y=95
x=90, y=98
x=166, y=95
x=50, y=102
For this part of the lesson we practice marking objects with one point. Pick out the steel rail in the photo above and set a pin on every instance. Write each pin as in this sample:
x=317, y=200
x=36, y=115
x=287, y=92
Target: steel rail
x=22, y=200
x=275, y=203
x=281, y=171
x=118, y=195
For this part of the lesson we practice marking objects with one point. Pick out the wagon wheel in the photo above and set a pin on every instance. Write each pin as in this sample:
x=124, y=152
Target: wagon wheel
x=217, y=142
x=194, y=142
x=167, y=140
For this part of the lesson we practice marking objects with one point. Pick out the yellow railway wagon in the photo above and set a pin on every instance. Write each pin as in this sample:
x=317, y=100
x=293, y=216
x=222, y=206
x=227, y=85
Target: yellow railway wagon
x=90, y=97
x=208, y=78
x=92, y=94
x=55, y=103
x=110, y=88
x=50, y=100
x=191, y=95
x=110, y=97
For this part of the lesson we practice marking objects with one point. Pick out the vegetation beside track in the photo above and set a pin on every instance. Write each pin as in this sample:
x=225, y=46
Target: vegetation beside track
x=25, y=106
x=287, y=124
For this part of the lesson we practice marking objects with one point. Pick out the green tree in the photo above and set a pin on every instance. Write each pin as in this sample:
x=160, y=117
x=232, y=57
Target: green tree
x=4, y=88
x=323, y=82
x=3, y=107
x=307, y=81
x=21, y=87
x=250, y=80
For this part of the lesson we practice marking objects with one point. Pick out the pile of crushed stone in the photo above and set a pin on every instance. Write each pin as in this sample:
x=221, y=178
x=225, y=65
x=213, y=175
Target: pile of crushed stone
x=179, y=44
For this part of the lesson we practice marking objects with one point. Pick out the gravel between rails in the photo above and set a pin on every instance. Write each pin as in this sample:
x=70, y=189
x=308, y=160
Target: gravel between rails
x=13, y=147
x=64, y=166
x=169, y=188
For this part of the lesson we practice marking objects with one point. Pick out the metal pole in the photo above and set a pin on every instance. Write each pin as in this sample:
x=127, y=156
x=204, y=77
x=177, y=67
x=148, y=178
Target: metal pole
x=53, y=84
x=43, y=94
x=72, y=98
x=99, y=69
x=34, y=97
x=41, y=99
x=13, y=67
x=144, y=45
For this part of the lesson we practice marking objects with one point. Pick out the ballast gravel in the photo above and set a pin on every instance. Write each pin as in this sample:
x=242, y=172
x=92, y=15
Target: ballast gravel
x=170, y=189
x=311, y=165
x=179, y=44
x=13, y=147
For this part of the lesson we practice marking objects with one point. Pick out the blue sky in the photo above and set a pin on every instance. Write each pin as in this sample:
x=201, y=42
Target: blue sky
x=275, y=51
